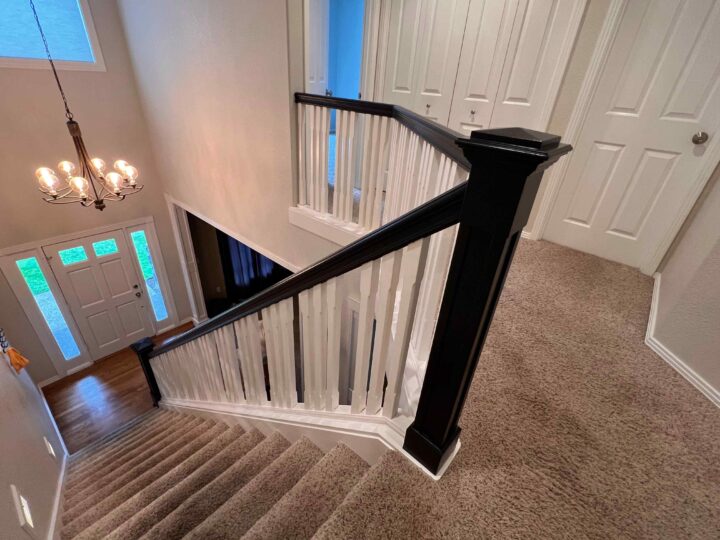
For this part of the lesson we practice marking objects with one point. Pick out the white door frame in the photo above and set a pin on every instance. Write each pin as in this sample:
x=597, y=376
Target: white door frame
x=556, y=175
x=33, y=313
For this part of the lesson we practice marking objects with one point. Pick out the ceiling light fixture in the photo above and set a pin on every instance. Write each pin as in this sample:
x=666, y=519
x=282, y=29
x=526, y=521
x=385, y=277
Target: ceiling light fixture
x=89, y=182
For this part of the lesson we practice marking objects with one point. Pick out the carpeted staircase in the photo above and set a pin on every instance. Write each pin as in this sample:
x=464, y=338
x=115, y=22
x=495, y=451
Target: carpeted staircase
x=167, y=475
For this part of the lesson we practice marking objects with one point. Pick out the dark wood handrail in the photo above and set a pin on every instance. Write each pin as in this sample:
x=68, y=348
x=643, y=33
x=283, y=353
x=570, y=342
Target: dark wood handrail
x=439, y=136
x=431, y=217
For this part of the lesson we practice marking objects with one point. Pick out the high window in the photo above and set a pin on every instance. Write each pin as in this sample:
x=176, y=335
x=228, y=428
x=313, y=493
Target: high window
x=67, y=27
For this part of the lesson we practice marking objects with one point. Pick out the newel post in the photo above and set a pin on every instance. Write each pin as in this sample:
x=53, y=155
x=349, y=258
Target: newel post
x=143, y=348
x=506, y=168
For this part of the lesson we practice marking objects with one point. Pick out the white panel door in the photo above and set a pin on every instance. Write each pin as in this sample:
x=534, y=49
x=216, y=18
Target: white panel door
x=317, y=35
x=540, y=44
x=425, y=39
x=485, y=45
x=635, y=170
x=99, y=281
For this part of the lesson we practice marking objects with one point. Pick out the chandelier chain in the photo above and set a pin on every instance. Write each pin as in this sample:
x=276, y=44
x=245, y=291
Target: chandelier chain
x=68, y=114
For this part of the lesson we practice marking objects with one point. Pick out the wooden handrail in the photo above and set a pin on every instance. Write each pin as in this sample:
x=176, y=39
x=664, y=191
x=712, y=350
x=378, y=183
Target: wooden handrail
x=431, y=217
x=439, y=136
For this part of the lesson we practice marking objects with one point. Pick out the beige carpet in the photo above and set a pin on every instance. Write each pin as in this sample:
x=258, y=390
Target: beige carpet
x=572, y=429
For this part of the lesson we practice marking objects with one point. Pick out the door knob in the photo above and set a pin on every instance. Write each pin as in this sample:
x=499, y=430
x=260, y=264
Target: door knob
x=700, y=137
x=138, y=294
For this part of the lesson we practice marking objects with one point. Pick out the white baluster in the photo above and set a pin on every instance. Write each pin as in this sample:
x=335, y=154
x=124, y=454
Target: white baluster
x=310, y=159
x=385, y=302
x=369, y=125
x=368, y=289
x=287, y=318
x=349, y=190
x=302, y=180
x=319, y=327
x=333, y=316
x=380, y=169
x=306, y=327
x=411, y=274
x=273, y=351
x=250, y=353
x=323, y=181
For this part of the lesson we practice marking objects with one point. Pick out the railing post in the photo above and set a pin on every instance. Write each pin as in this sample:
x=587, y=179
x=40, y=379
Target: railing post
x=143, y=348
x=506, y=168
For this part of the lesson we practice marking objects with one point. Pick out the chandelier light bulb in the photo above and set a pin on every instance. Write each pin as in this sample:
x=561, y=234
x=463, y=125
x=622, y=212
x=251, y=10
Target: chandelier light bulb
x=120, y=165
x=79, y=185
x=132, y=174
x=68, y=167
x=99, y=164
x=48, y=180
x=115, y=180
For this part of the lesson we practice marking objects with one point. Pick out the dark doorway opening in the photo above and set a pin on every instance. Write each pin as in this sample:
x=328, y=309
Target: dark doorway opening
x=230, y=272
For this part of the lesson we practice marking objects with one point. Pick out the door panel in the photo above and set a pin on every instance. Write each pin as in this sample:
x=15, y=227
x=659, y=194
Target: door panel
x=487, y=35
x=317, y=15
x=423, y=52
x=541, y=39
x=103, y=291
x=635, y=169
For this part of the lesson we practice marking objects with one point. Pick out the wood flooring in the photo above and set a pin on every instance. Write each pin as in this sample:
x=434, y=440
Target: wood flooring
x=97, y=400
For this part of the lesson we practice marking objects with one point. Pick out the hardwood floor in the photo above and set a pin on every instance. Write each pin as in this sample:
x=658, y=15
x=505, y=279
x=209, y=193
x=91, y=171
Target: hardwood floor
x=91, y=403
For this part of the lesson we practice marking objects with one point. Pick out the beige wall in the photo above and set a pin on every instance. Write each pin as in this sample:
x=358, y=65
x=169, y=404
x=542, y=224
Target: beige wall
x=24, y=460
x=687, y=320
x=33, y=133
x=593, y=19
x=214, y=82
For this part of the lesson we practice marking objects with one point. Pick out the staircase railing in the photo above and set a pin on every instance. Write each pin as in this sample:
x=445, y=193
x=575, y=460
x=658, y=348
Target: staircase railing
x=282, y=348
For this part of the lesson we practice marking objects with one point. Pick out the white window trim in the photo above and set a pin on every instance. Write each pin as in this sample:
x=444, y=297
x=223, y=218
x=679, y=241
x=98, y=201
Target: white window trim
x=42, y=63
x=9, y=255
x=35, y=316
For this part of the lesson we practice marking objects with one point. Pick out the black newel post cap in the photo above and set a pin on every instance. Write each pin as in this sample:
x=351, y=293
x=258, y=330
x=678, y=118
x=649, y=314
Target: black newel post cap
x=518, y=136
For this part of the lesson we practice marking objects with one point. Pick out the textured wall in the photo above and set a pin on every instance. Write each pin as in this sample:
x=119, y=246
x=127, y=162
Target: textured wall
x=214, y=82
x=24, y=461
x=107, y=106
x=688, y=301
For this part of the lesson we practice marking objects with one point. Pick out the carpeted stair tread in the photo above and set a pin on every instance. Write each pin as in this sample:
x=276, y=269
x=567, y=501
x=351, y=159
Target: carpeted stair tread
x=303, y=509
x=85, y=514
x=146, y=496
x=141, y=457
x=85, y=454
x=155, y=511
x=242, y=510
x=125, y=450
x=377, y=507
x=205, y=501
x=121, y=441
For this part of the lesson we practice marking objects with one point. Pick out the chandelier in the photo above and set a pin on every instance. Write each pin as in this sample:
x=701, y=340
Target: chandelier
x=90, y=182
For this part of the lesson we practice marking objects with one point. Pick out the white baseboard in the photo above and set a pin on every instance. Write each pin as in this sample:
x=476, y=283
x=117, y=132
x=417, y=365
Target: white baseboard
x=46, y=382
x=55, y=521
x=713, y=394
x=78, y=368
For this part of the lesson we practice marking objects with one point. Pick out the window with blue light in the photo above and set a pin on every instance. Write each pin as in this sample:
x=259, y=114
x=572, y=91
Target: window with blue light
x=62, y=21
x=147, y=267
x=48, y=306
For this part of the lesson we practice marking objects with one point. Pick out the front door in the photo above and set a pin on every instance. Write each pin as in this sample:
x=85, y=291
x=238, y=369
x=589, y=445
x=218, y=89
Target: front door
x=650, y=139
x=100, y=283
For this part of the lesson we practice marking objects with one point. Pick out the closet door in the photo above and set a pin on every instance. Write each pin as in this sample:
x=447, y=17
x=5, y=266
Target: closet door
x=485, y=45
x=542, y=37
x=424, y=44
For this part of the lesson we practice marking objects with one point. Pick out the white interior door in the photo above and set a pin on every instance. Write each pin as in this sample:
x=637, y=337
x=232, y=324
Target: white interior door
x=424, y=42
x=635, y=171
x=100, y=284
x=485, y=45
x=317, y=36
x=542, y=37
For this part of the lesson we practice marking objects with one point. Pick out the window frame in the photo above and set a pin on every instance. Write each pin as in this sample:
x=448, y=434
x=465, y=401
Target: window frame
x=37, y=320
x=65, y=65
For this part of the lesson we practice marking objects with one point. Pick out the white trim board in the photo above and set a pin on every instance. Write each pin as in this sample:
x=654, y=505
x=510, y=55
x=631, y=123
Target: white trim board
x=239, y=237
x=690, y=375
x=55, y=517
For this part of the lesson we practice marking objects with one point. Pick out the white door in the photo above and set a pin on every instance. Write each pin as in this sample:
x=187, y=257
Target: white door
x=635, y=171
x=424, y=45
x=485, y=45
x=317, y=36
x=98, y=278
